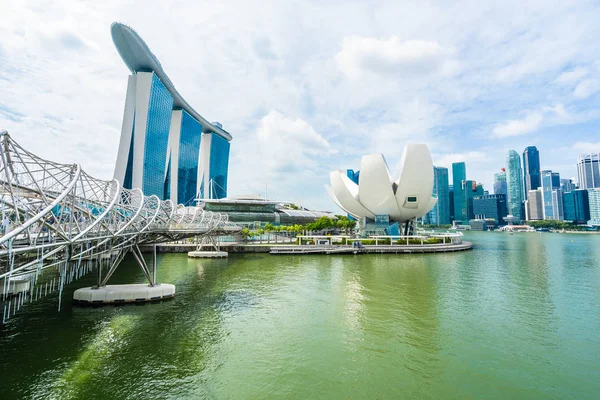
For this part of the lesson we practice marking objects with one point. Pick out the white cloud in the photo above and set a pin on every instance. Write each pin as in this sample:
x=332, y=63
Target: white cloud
x=570, y=77
x=444, y=76
x=586, y=88
x=290, y=144
x=585, y=147
x=393, y=55
x=518, y=127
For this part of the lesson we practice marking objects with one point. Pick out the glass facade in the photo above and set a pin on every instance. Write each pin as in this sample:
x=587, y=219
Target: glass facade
x=567, y=185
x=594, y=201
x=490, y=206
x=451, y=201
x=189, y=150
x=514, y=183
x=471, y=190
x=576, y=206
x=219, y=161
x=555, y=180
x=440, y=213
x=551, y=195
x=588, y=171
x=531, y=169
x=128, y=181
x=459, y=175
x=157, y=139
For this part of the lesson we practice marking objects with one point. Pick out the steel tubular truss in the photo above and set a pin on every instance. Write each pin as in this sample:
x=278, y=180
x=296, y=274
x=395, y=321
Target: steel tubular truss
x=56, y=214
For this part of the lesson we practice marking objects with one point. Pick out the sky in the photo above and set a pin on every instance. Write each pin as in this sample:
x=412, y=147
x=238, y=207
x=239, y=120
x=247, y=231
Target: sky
x=307, y=87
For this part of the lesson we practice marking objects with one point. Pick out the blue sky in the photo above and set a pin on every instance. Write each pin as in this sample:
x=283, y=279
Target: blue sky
x=308, y=87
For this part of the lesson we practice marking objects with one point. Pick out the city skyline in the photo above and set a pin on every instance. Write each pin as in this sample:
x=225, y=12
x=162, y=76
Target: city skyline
x=326, y=93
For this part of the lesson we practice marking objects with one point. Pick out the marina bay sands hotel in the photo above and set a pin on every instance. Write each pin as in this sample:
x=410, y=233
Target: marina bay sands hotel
x=166, y=149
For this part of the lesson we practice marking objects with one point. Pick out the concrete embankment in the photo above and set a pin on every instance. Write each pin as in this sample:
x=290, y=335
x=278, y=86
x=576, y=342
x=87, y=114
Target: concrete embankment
x=230, y=248
x=381, y=249
x=311, y=249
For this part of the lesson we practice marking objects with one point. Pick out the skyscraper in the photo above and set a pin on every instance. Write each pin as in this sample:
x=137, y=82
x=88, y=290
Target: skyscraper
x=531, y=169
x=471, y=190
x=535, y=205
x=594, y=200
x=440, y=213
x=551, y=196
x=490, y=206
x=500, y=183
x=514, y=182
x=567, y=185
x=577, y=206
x=588, y=171
x=451, y=201
x=459, y=175
x=166, y=148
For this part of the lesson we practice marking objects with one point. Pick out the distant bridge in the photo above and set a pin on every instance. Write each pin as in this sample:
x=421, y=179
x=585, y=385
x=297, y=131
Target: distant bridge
x=57, y=216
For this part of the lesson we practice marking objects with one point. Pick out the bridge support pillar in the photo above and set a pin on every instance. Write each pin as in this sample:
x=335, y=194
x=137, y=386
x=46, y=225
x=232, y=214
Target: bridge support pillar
x=154, y=264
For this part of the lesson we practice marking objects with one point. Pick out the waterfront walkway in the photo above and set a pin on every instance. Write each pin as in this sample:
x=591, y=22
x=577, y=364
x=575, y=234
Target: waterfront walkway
x=372, y=249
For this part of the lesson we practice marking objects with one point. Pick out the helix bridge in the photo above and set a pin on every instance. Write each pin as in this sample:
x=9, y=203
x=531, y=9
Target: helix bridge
x=59, y=223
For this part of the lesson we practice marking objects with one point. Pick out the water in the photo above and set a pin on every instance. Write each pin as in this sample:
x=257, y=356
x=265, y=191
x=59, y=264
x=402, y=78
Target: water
x=517, y=317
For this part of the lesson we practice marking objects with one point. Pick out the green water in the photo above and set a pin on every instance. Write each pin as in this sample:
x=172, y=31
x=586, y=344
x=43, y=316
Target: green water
x=518, y=317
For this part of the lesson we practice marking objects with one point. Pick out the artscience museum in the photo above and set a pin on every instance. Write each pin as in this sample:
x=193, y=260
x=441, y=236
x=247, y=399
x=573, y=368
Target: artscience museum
x=391, y=204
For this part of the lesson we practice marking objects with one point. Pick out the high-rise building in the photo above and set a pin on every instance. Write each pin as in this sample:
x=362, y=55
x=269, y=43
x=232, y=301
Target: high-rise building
x=440, y=213
x=594, y=200
x=514, y=182
x=557, y=205
x=535, y=205
x=459, y=175
x=500, y=183
x=556, y=180
x=166, y=148
x=567, y=185
x=531, y=169
x=451, y=201
x=471, y=190
x=588, y=171
x=551, y=196
x=576, y=206
x=490, y=206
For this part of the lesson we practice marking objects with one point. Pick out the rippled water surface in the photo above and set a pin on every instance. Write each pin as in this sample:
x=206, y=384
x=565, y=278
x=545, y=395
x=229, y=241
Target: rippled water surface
x=517, y=317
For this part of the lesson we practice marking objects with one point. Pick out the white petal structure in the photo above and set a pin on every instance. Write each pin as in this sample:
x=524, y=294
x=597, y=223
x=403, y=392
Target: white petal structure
x=407, y=197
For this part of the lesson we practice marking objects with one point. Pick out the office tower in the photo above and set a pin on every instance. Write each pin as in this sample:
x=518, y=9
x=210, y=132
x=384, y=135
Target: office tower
x=567, y=185
x=535, y=205
x=500, y=183
x=514, y=182
x=459, y=175
x=440, y=213
x=451, y=201
x=491, y=206
x=576, y=206
x=594, y=201
x=588, y=171
x=166, y=148
x=556, y=180
x=552, y=200
x=471, y=190
x=531, y=169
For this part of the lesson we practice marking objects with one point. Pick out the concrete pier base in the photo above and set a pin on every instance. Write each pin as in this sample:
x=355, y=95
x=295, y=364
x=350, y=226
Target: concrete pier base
x=207, y=254
x=115, y=294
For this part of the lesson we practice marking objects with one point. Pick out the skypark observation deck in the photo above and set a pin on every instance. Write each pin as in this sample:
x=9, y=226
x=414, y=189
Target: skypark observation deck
x=167, y=148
